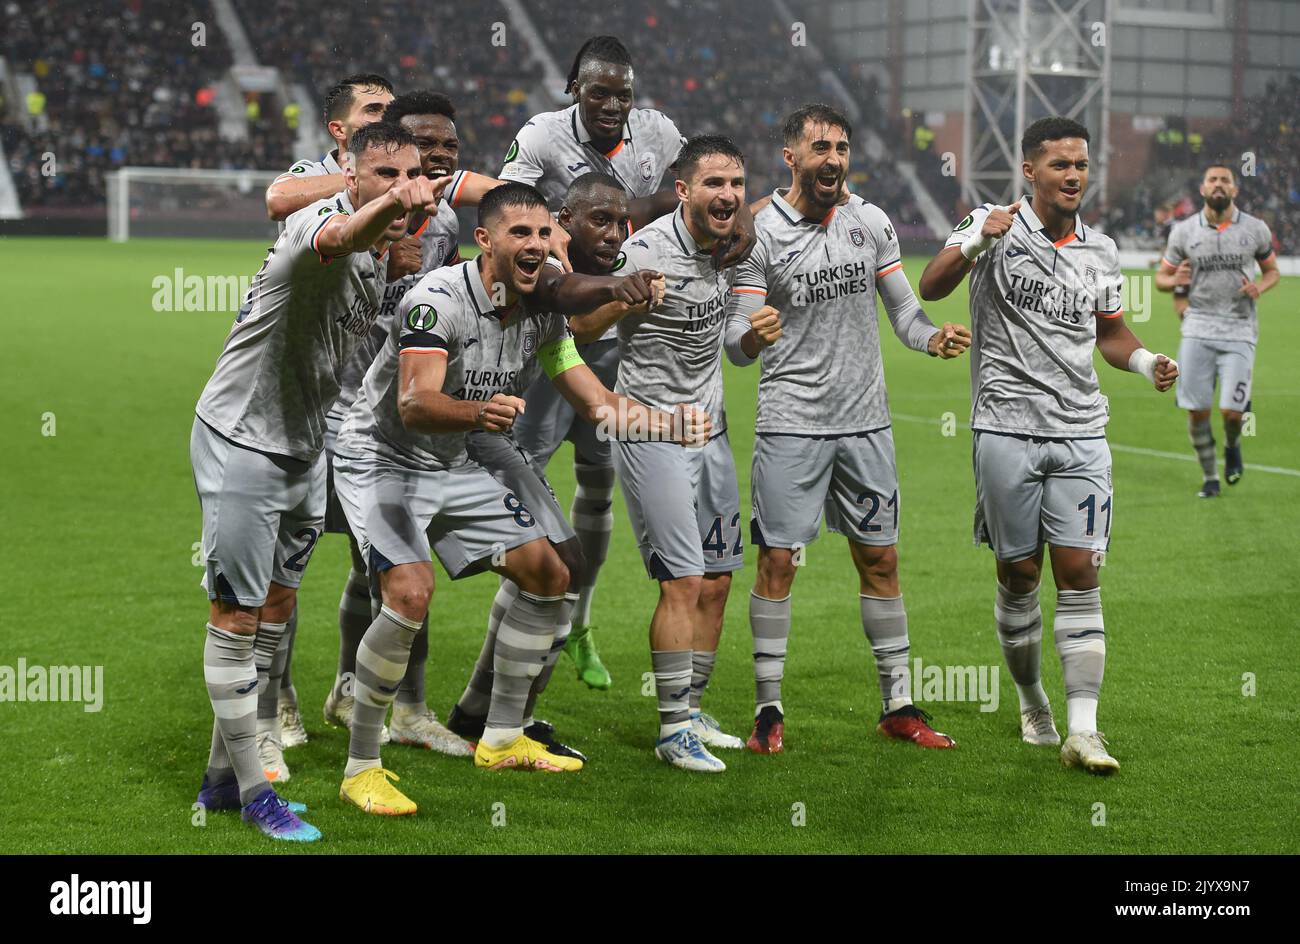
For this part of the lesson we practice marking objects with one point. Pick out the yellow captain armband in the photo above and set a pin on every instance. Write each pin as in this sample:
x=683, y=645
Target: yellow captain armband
x=559, y=356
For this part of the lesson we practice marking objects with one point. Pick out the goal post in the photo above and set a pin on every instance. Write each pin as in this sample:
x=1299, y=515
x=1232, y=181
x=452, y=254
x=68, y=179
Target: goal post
x=188, y=203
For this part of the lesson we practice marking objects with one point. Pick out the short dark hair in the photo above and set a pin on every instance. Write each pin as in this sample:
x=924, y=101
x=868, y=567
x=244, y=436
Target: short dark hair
x=1224, y=164
x=341, y=94
x=511, y=195
x=607, y=49
x=584, y=188
x=700, y=147
x=818, y=114
x=419, y=102
x=1053, y=128
x=380, y=134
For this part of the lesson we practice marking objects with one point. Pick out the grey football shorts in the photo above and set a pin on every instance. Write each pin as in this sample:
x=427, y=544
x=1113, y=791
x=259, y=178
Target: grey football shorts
x=1030, y=491
x=464, y=514
x=262, y=515
x=511, y=466
x=684, y=505
x=1202, y=362
x=852, y=480
x=549, y=419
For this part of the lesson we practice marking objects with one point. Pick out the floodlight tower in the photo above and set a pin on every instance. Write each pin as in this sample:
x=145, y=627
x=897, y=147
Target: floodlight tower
x=1026, y=59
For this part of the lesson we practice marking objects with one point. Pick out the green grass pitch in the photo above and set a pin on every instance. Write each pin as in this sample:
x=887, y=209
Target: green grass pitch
x=100, y=522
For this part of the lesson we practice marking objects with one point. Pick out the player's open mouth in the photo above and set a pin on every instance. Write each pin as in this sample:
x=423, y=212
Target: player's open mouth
x=438, y=170
x=529, y=266
x=609, y=123
x=722, y=214
x=606, y=256
x=1070, y=191
x=829, y=182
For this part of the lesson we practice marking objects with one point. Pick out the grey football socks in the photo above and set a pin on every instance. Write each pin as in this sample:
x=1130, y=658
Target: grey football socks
x=270, y=648
x=592, y=516
x=1081, y=644
x=563, y=626
x=701, y=671
x=231, y=677
x=410, y=694
x=672, y=670
x=477, y=696
x=1202, y=434
x=355, y=618
x=381, y=663
x=522, y=643
x=769, y=622
x=885, y=623
x=1020, y=631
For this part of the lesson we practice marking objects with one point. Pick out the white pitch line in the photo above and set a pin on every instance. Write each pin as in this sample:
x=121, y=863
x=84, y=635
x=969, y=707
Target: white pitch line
x=1119, y=447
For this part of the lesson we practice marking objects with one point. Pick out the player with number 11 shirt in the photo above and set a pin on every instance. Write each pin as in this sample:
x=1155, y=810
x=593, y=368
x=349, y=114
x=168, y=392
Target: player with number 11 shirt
x=1044, y=293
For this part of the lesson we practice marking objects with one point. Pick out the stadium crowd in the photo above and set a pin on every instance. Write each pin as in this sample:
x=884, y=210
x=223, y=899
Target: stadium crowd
x=1269, y=129
x=119, y=83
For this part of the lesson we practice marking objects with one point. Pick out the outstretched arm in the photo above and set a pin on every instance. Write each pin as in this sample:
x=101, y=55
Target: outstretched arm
x=624, y=418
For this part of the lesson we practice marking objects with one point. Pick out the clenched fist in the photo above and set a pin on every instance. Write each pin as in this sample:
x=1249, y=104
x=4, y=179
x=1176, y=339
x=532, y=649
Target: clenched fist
x=404, y=258
x=640, y=291
x=950, y=341
x=766, y=326
x=498, y=414
x=996, y=225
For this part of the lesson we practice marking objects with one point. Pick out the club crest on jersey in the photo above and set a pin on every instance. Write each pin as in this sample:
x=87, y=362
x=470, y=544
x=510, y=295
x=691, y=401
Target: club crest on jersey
x=513, y=152
x=619, y=262
x=1090, y=274
x=421, y=318
x=858, y=238
x=530, y=344
x=648, y=167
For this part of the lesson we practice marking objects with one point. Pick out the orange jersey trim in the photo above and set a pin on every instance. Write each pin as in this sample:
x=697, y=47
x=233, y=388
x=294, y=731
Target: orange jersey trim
x=1067, y=240
x=617, y=147
x=893, y=268
x=1113, y=314
x=423, y=350
x=455, y=197
x=1164, y=261
x=749, y=291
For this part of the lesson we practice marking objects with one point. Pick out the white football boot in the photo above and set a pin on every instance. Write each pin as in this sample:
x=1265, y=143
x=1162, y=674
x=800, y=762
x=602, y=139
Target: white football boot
x=292, y=732
x=1038, y=727
x=421, y=728
x=1088, y=751
x=271, y=754
x=706, y=728
x=338, y=712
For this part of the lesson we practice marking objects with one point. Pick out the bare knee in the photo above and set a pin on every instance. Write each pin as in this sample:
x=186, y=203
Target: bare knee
x=1232, y=416
x=776, y=572
x=570, y=554
x=714, y=590
x=233, y=618
x=407, y=589
x=877, y=569
x=1020, y=576
x=1075, y=568
x=1198, y=416
x=280, y=601
x=537, y=569
x=681, y=591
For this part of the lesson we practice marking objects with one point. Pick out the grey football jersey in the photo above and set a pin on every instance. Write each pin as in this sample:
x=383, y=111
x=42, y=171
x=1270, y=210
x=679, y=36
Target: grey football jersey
x=308, y=168
x=1221, y=256
x=824, y=376
x=304, y=315
x=439, y=245
x=1033, y=305
x=673, y=354
x=553, y=149
x=448, y=314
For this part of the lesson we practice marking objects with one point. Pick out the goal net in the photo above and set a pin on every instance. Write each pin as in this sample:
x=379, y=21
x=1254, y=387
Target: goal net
x=185, y=203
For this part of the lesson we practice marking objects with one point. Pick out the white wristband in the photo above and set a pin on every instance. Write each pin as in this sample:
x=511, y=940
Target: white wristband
x=1143, y=362
x=973, y=247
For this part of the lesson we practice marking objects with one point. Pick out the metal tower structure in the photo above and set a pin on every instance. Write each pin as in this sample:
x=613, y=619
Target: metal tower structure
x=1026, y=59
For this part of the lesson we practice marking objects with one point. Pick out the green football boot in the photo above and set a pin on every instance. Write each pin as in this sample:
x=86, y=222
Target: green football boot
x=581, y=648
